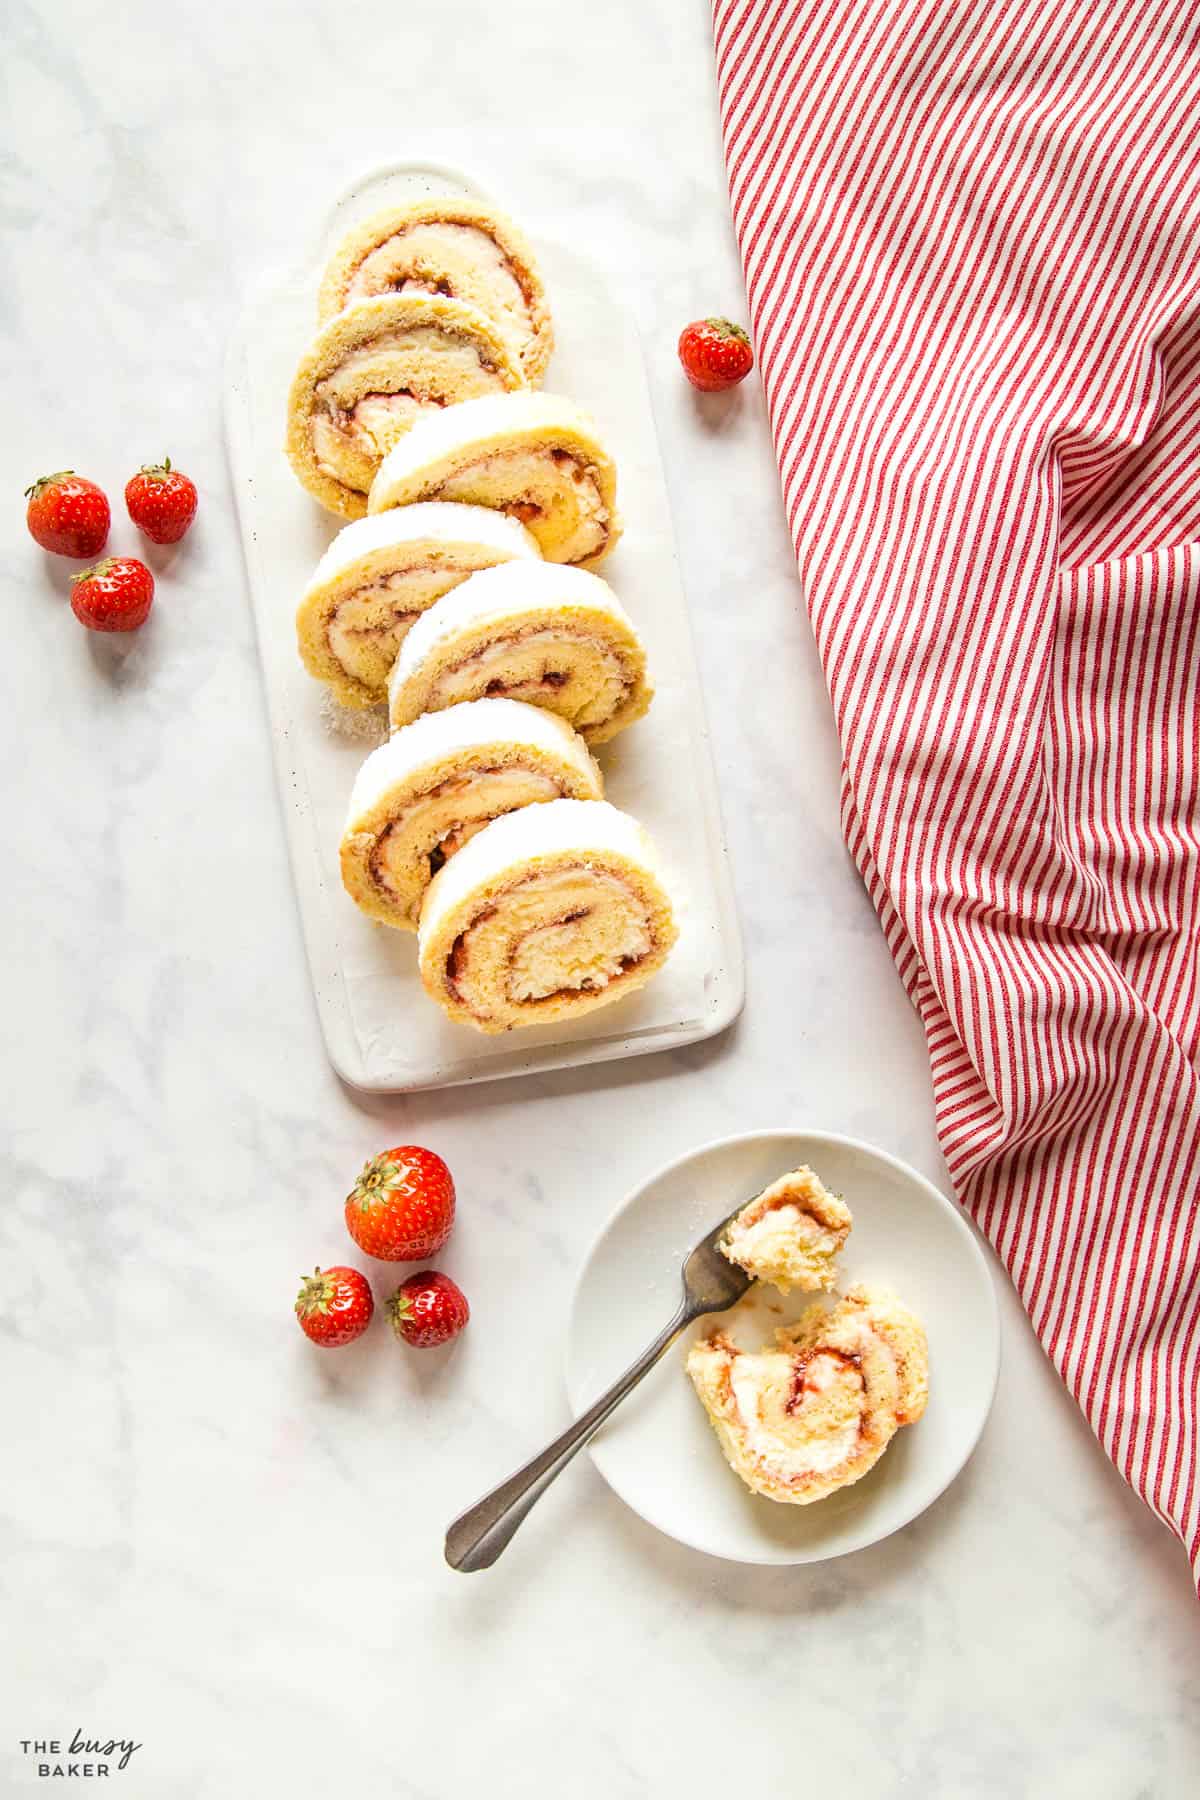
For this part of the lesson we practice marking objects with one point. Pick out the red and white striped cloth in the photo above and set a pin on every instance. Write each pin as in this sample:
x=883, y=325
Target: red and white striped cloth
x=971, y=238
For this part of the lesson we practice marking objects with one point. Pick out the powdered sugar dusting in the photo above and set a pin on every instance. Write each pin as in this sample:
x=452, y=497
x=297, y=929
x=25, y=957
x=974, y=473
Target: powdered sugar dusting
x=367, y=723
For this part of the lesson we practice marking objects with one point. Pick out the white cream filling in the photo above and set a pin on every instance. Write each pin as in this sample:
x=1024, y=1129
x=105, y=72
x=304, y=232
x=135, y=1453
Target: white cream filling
x=798, y=1443
x=771, y=1240
x=572, y=953
x=447, y=248
x=378, y=391
x=372, y=423
x=587, y=680
x=366, y=627
x=449, y=815
x=558, y=501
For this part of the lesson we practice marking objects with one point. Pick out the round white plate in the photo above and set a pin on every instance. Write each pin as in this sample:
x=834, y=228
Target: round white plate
x=658, y=1451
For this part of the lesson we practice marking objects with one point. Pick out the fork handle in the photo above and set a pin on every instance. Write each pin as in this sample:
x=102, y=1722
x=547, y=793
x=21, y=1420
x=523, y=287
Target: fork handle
x=476, y=1539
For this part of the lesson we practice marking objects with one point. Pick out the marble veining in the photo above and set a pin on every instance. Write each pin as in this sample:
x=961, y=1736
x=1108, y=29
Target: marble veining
x=216, y=1541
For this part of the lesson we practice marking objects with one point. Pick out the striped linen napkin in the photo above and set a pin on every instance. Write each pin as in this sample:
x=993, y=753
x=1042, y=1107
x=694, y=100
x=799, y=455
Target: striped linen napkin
x=971, y=239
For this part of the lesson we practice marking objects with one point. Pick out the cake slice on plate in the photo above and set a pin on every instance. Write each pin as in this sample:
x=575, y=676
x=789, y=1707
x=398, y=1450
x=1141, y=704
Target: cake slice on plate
x=791, y=1234
x=815, y=1410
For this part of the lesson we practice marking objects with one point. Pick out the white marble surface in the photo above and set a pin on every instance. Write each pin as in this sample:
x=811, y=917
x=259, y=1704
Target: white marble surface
x=214, y=1540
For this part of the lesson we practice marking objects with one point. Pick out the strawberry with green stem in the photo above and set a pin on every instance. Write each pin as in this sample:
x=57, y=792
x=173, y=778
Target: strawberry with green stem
x=334, y=1306
x=402, y=1205
x=428, y=1309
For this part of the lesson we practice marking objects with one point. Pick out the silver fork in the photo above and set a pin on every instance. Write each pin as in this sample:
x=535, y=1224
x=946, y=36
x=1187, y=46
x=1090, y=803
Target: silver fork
x=476, y=1539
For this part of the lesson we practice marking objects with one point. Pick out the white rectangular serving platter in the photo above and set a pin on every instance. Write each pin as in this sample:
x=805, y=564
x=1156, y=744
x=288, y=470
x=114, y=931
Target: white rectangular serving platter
x=381, y=1030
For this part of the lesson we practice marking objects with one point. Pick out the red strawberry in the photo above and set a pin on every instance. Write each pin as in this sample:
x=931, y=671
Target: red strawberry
x=428, y=1309
x=161, y=501
x=334, y=1306
x=114, y=596
x=67, y=514
x=715, y=354
x=402, y=1207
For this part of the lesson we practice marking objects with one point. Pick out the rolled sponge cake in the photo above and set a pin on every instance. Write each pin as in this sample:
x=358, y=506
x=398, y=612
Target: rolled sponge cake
x=453, y=245
x=374, y=370
x=418, y=799
x=553, y=636
x=814, y=1411
x=536, y=456
x=380, y=574
x=547, y=914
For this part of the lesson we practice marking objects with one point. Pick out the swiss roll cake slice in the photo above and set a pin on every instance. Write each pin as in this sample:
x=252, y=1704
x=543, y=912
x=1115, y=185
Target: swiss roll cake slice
x=817, y=1409
x=547, y=914
x=454, y=246
x=537, y=457
x=375, y=369
x=380, y=574
x=553, y=636
x=791, y=1234
x=419, y=799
